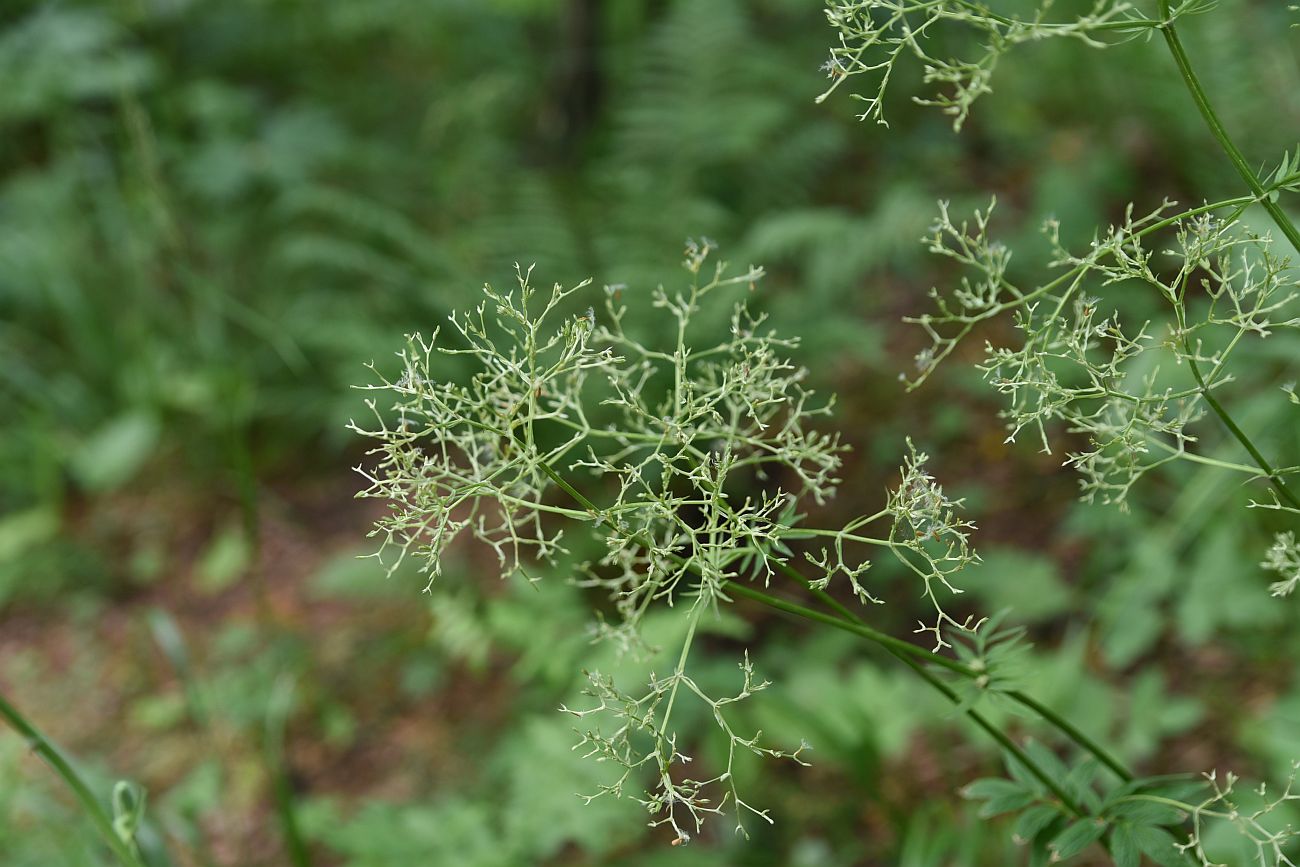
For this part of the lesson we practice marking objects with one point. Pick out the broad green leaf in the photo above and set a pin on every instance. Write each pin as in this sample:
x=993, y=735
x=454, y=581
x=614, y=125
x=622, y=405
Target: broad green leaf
x=21, y=531
x=1045, y=759
x=115, y=452
x=225, y=559
x=1215, y=592
x=992, y=787
x=1007, y=803
x=1033, y=821
x=1124, y=848
x=1131, y=620
x=1159, y=845
x=1036, y=592
x=1147, y=813
x=1076, y=838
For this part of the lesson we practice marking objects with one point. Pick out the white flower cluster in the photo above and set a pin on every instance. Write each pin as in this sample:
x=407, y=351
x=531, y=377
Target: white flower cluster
x=697, y=461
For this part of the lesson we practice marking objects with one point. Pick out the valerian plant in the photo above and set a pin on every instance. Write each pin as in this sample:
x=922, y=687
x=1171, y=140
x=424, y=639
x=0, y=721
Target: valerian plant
x=1133, y=396
x=686, y=433
x=1133, y=392
x=692, y=462
x=670, y=445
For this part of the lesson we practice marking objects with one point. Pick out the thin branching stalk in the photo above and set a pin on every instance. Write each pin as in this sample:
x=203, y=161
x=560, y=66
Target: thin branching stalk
x=908, y=658
x=1077, y=364
x=1261, y=195
x=1203, y=105
x=1019, y=696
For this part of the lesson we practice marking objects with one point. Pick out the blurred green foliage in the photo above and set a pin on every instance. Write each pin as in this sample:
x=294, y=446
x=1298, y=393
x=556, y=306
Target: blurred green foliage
x=214, y=212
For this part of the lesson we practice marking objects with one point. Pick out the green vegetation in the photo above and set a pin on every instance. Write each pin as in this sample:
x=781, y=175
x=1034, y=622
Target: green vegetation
x=215, y=215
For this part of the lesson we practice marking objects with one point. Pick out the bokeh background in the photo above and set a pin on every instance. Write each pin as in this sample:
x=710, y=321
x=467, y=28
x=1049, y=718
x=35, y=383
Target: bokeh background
x=213, y=213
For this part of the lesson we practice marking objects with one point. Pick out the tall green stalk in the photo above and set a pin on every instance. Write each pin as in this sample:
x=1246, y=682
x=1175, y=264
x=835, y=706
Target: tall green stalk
x=1052, y=717
x=1261, y=195
x=1220, y=132
x=92, y=806
x=1002, y=738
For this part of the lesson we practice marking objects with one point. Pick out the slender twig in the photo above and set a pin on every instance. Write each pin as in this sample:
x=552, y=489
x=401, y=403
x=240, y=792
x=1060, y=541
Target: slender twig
x=1263, y=196
x=889, y=642
x=906, y=656
x=63, y=768
x=1274, y=478
x=1202, y=101
x=1018, y=696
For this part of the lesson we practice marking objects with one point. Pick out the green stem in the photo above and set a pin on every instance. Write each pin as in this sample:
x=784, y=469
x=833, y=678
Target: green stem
x=902, y=650
x=905, y=652
x=1274, y=478
x=1202, y=101
x=998, y=735
x=1115, y=765
x=1261, y=194
x=1123, y=24
x=677, y=679
x=881, y=638
x=1063, y=725
x=904, y=656
x=889, y=642
x=40, y=745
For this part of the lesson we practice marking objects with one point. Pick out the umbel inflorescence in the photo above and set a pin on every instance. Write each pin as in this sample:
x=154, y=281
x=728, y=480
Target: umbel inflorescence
x=1133, y=390
x=693, y=464
x=1134, y=393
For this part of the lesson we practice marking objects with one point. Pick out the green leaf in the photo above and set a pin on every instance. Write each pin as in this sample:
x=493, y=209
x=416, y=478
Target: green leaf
x=1079, y=783
x=1045, y=759
x=225, y=559
x=1039, y=856
x=1187, y=791
x=1175, y=787
x=1147, y=813
x=167, y=635
x=1124, y=848
x=157, y=712
x=1131, y=623
x=1037, y=593
x=114, y=453
x=1007, y=803
x=22, y=531
x=1208, y=599
x=1083, y=774
x=1154, y=713
x=992, y=787
x=1159, y=845
x=1076, y=838
x=1033, y=821
x=350, y=575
